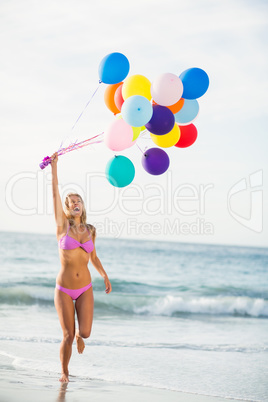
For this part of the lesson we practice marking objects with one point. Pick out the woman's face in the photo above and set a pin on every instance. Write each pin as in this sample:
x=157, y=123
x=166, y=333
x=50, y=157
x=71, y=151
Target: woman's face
x=75, y=205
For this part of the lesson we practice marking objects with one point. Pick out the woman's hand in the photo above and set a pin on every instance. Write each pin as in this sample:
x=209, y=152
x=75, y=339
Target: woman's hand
x=54, y=159
x=108, y=285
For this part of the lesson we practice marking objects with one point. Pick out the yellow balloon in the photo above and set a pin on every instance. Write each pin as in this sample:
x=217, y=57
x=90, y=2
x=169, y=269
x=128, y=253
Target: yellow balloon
x=136, y=85
x=169, y=139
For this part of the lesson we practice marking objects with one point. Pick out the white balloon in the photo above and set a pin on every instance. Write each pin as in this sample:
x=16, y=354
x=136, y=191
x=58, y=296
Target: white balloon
x=167, y=89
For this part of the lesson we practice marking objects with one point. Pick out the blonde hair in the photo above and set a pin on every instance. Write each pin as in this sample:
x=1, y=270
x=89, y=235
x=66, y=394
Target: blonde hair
x=91, y=228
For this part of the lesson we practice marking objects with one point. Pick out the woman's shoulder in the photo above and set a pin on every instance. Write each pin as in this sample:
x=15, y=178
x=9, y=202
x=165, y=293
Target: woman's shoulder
x=91, y=229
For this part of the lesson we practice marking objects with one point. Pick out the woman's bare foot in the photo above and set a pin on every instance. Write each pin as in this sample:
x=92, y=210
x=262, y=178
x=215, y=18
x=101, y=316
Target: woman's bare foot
x=64, y=377
x=79, y=342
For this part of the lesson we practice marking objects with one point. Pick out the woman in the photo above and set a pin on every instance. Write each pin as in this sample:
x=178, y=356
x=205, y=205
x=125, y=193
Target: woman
x=76, y=247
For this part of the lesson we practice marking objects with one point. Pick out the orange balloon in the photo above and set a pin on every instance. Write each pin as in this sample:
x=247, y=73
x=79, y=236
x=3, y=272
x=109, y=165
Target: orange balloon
x=109, y=97
x=176, y=107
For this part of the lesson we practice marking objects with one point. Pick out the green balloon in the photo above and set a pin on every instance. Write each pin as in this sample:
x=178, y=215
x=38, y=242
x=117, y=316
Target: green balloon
x=120, y=171
x=136, y=132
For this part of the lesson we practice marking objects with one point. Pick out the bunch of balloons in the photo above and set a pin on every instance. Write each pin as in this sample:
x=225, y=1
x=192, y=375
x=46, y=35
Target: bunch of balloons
x=165, y=108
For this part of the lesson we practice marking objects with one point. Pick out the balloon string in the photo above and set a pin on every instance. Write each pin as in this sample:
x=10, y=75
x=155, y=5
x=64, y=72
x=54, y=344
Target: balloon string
x=87, y=105
x=140, y=148
x=81, y=144
x=72, y=147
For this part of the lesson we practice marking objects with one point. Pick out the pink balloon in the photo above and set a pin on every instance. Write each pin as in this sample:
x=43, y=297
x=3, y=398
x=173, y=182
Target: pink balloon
x=119, y=135
x=167, y=89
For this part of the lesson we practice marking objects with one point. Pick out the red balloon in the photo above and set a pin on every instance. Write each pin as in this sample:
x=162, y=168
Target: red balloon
x=118, y=98
x=188, y=136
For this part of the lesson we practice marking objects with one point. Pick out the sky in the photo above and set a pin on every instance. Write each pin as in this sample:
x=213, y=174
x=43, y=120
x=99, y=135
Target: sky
x=214, y=191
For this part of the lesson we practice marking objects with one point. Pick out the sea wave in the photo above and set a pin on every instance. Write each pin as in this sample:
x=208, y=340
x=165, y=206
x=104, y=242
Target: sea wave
x=171, y=305
x=142, y=304
x=237, y=306
x=123, y=287
x=26, y=296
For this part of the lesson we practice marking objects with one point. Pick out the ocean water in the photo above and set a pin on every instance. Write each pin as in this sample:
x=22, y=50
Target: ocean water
x=183, y=317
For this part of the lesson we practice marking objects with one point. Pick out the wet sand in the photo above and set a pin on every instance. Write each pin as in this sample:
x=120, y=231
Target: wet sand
x=18, y=384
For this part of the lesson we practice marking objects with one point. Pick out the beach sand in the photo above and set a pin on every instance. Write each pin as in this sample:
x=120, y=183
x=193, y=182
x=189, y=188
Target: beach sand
x=18, y=384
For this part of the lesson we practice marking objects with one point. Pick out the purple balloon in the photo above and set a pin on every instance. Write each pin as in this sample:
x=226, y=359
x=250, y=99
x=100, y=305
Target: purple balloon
x=155, y=161
x=162, y=121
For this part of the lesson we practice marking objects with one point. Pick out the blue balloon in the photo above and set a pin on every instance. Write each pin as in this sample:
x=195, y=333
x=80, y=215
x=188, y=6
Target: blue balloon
x=113, y=68
x=137, y=110
x=188, y=112
x=120, y=171
x=195, y=83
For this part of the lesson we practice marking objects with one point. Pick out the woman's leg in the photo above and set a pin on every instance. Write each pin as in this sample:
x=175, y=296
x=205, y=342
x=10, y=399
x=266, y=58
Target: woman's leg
x=84, y=306
x=65, y=309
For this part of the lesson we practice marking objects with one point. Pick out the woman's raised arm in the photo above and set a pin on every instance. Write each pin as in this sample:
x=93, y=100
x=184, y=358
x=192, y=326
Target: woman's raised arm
x=60, y=216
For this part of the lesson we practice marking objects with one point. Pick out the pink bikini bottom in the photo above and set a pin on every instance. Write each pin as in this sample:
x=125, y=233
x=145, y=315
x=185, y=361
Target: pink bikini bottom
x=74, y=293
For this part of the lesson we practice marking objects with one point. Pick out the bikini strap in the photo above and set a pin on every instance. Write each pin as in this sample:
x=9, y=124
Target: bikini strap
x=68, y=228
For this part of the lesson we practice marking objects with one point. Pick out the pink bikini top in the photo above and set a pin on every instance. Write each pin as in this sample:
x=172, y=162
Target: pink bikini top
x=69, y=243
